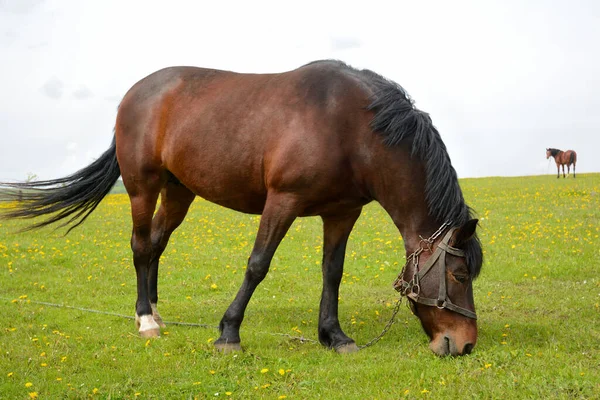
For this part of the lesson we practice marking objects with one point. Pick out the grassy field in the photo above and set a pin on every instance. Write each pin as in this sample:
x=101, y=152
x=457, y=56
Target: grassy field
x=537, y=300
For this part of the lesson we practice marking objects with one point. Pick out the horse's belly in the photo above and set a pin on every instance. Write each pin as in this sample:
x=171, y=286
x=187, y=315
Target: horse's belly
x=237, y=188
x=246, y=202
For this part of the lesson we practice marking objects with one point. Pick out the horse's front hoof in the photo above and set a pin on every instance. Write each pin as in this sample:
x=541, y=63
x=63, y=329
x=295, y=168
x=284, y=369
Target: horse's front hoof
x=146, y=326
x=347, y=348
x=228, y=347
x=150, y=333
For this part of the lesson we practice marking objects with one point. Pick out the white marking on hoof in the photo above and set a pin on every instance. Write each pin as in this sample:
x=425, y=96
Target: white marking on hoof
x=157, y=316
x=146, y=325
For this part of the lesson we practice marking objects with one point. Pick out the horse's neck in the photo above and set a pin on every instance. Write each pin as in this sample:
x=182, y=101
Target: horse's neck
x=398, y=182
x=558, y=154
x=412, y=220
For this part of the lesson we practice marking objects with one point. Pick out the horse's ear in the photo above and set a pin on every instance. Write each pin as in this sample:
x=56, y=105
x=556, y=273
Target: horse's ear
x=465, y=232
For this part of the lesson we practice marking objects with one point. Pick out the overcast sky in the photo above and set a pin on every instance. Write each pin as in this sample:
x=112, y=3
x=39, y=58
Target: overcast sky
x=502, y=80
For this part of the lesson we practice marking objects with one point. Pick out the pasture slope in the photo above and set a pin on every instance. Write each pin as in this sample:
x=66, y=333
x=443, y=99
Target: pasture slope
x=537, y=300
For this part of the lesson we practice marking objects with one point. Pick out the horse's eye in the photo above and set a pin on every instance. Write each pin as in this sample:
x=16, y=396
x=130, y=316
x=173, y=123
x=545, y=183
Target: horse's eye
x=461, y=278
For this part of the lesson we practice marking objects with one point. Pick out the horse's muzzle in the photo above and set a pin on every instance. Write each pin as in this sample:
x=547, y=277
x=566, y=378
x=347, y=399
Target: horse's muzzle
x=446, y=345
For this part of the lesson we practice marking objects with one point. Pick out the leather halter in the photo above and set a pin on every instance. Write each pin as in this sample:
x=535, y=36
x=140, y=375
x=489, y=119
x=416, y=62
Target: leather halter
x=412, y=289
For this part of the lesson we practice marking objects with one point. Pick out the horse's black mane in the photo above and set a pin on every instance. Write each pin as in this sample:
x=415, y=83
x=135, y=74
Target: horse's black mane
x=399, y=121
x=553, y=151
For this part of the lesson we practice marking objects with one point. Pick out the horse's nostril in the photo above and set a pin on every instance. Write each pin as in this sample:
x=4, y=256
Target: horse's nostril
x=446, y=348
x=468, y=348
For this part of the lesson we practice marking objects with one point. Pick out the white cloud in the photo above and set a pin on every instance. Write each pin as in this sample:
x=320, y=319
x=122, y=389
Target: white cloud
x=82, y=93
x=53, y=88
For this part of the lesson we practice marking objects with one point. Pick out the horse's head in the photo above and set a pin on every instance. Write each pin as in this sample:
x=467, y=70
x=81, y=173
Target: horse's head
x=438, y=284
x=548, y=153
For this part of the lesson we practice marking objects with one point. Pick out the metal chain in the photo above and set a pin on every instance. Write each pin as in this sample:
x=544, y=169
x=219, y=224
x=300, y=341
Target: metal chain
x=437, y=233
x=414, y=257
x=415, y=283
x=386, y=328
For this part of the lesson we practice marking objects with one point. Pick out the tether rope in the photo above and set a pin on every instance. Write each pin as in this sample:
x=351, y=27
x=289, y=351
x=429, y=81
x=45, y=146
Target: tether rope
x=301, y=339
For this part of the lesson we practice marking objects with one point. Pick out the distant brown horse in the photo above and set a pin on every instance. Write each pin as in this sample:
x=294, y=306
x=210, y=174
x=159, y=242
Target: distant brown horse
x=563, y=158
x=324, y=139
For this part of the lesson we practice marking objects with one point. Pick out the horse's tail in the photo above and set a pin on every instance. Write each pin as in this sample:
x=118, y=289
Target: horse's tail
x=573, y=158
x=73, y=197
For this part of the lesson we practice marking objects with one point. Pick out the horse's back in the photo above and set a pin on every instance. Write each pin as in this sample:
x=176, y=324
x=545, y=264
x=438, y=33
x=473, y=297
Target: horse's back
x=231, y=137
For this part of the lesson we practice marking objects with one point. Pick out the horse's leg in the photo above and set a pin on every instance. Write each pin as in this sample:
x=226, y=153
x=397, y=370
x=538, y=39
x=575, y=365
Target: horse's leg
x=336, y=231
x=568, y=169
x=563, y=168
x=143, y=202
x=557, y=170
x=573, y=170
x=278, y=214
x=175, y=201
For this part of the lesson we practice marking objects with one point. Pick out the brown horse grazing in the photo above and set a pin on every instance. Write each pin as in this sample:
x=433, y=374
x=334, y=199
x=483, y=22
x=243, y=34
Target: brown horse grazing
x=563, y=158
x=324, y=139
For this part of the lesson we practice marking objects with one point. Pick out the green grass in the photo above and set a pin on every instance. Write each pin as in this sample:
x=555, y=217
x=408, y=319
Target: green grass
x=537, y=300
